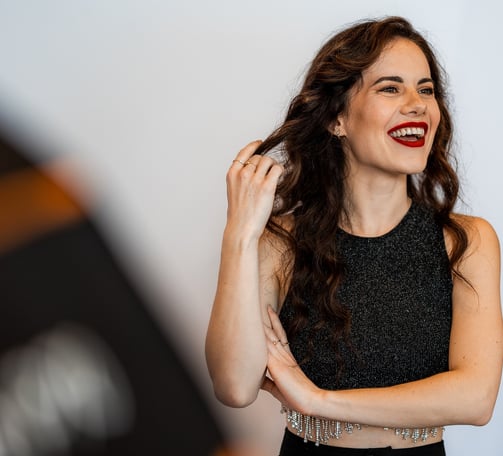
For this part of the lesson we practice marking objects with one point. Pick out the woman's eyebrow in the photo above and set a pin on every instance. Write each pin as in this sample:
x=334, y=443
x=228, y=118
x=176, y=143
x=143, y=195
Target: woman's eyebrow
x=388, y=78
x=399, y=79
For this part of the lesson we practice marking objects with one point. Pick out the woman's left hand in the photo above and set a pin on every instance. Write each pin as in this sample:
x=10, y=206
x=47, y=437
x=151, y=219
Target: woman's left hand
x=287, y=381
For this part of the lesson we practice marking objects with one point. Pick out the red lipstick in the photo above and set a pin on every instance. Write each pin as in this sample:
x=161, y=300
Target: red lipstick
x=406, y=139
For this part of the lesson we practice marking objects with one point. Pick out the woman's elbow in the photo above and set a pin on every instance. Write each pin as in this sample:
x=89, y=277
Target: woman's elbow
x=481, y=411
x=234, y=395
x=233, y=390
x=485, y=413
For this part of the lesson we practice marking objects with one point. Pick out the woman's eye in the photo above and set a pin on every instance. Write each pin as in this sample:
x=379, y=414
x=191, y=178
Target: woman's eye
x=389, y=89
x=427, y=91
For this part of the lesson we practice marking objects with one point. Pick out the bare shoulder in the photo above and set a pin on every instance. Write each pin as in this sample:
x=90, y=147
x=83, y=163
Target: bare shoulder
x=482, y=237
x=480, y=263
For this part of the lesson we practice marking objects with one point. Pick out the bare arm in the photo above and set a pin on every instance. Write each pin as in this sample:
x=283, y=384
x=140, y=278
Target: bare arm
x=466, y=394
x=236, y=349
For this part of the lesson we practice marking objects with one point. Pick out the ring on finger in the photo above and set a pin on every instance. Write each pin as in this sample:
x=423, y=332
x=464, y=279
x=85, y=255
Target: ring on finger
x=238, y=161
x=274, y=342
x=250, y=163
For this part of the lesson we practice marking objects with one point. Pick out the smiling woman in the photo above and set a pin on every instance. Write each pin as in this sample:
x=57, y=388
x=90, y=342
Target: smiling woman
x=348, y=287
x=394, y=105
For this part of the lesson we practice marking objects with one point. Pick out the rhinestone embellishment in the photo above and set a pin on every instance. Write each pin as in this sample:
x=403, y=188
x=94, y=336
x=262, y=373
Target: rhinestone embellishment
x=321, y=430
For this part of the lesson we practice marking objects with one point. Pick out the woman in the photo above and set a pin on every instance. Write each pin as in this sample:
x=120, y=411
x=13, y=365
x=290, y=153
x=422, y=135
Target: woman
x=345, y=275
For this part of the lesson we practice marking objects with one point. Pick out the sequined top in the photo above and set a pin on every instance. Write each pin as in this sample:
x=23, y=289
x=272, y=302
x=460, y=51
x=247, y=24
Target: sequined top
x=398, y=288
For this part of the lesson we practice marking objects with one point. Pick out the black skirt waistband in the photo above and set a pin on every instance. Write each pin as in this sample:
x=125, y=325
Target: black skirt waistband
x=294, y=445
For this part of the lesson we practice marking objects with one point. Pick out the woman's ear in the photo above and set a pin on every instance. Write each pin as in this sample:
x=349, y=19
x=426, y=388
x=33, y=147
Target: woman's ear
x=337, y=127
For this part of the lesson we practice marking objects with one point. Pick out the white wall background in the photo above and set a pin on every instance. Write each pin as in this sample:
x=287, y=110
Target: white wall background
x=154, y=98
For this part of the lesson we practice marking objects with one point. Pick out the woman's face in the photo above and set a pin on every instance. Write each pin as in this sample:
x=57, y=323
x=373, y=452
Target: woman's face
x=392, y=115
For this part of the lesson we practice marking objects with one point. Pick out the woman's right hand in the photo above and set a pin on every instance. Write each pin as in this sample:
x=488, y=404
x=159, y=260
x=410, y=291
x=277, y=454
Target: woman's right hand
x=251, y=186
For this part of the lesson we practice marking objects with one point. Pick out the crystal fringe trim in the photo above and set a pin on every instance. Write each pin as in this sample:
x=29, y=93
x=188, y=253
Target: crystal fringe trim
x=321, y=430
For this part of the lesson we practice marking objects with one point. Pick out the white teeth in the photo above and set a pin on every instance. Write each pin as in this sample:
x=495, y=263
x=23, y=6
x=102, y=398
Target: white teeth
x=417, y=131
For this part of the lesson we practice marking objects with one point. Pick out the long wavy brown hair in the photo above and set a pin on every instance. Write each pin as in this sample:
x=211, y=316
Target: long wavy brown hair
x=313, y=186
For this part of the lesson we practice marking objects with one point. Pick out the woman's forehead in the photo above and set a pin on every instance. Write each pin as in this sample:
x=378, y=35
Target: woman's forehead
x=401, y=57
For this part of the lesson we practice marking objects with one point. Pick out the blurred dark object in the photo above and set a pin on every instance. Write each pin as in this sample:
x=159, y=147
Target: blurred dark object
x=10, y=159
x=56, y=271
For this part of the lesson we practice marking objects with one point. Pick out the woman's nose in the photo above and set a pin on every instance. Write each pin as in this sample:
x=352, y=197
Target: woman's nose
x=413, y=105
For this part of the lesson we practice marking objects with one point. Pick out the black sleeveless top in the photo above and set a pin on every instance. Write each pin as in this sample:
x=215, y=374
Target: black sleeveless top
x=398, y=288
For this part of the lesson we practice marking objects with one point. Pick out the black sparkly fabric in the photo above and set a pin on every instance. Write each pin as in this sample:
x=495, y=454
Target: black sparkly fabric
x=398, y=288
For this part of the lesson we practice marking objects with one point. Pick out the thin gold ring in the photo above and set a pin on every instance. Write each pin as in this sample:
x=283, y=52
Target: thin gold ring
x=250, y=163
x=238, y=161
x=275, y=341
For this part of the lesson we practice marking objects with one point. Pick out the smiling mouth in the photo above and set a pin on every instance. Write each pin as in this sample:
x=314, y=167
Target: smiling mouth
x=410, y=134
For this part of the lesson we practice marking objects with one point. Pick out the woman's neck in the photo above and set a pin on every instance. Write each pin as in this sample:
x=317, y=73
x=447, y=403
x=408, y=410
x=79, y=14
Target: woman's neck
x=373, y=211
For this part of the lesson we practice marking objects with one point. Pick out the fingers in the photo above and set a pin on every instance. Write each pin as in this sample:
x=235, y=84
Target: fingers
x=277, y=327
x=247, y=161
x=251, y=191
x=277, y=343
x=242, y=158
x=246, y=152
x=274, y=338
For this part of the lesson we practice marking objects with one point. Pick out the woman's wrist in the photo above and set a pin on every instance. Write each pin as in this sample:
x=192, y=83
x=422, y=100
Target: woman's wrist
x=240, y=239
x=319, y=403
